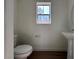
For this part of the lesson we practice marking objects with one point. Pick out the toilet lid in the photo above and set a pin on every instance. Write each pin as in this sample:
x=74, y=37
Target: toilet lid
x=22, y=49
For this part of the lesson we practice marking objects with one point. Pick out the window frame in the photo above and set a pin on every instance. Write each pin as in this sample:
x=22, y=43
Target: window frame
x=43, y=4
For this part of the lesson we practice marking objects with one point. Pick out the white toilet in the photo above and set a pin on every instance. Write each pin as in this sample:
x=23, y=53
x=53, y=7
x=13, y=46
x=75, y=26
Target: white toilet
x=22, y=51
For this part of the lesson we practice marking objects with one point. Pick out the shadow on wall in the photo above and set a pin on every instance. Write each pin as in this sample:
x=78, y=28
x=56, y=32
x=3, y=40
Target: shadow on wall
x=23, y=38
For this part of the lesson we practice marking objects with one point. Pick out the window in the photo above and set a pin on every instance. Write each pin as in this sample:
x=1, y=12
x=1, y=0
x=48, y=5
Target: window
x=43, y=13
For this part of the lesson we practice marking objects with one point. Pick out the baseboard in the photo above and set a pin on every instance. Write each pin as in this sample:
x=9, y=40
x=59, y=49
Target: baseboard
x=49, y=50
x=52, y=51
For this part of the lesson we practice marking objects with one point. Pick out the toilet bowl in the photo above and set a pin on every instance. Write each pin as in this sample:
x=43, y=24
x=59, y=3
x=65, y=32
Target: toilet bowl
x=22, y=51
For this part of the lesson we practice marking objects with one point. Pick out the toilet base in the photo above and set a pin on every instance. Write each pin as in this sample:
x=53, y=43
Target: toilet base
x=23, y=56
x=20, y=58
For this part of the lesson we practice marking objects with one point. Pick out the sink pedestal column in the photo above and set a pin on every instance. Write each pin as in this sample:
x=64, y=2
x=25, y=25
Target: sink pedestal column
x=70, y=49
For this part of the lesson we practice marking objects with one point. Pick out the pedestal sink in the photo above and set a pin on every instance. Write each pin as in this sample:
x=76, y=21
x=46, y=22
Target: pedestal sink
x=70, y=37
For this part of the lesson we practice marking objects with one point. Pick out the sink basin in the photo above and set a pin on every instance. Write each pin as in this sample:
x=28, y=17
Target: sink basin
x=68, y=35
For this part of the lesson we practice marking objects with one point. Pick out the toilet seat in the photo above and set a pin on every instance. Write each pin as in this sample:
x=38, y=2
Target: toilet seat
x=22, y=49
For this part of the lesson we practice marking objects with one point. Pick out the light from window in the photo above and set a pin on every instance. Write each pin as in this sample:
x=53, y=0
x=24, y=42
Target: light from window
x=43, y=13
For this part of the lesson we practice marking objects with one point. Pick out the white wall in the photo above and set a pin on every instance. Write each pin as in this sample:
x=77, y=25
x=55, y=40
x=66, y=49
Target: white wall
x=49, y=37
x=9, y=29
x=71, y=14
